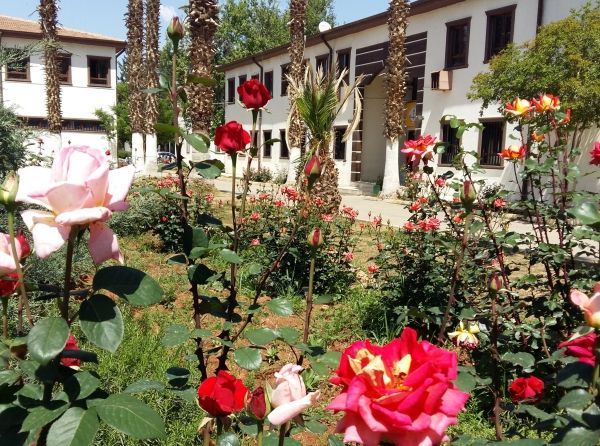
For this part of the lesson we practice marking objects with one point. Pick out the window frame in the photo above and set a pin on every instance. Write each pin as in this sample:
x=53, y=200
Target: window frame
x=241, y=79
x=265, y=145
x=348, y=52
x=69, y=80
x=230, y=90
x=285, y=70
x=282, y=144
x=491, y=14
x=485, y=121
x=27, y=72
x=108, y=74
x=336, y=129
x=322, y=59
x=455, y=24
x=270, y=88
x=444, y=124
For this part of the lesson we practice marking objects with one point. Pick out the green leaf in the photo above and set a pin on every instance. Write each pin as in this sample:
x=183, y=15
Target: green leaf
x=581, y=436
x=196, y=142
x=102, y=322
x=281, y=307
x=254, y=269
x=133, y=285
x=575, y=399
x=325, y=299
x=47, y=339
x=206, y=81
x=289, y=335
x=132, y=417
x=77, y=427
x=534, y=412
x=523, y=359
x=81, y=385
x=228, y=439
x=40, y=416
x=144, y=385
x=210, y=169
x=587, y=213
x=332, y=440
x=175, y=335
x=201, y=274
x=465, y=381
x=177, y=376
x=248, y=358
x=229, y=256
x=261, y=336
x=152, y=90
x=315, y=427
x=8, y=377
x=177, y=259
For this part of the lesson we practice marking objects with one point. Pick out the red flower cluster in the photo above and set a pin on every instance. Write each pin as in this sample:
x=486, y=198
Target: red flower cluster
x=349, y=212
x=430, y=224
x=400, y=393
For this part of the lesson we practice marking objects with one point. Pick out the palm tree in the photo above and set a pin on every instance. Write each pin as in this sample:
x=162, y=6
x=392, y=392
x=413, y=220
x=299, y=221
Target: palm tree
x=135, y=76
x=48, y=11
x=295, y=132
x=318, y=102
x=202, y=23
x=396, y=90
x=151, y=81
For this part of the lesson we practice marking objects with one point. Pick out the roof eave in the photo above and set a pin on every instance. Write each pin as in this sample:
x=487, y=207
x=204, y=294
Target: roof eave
x=117, y=44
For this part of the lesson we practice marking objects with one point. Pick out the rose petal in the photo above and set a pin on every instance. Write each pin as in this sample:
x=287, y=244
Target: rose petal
x=286, y=412
x=48, y=236
x=83, y=216
x=33, y=183
x=119, y=182
x=579, y=299
x=103, y=244
x=64, y=197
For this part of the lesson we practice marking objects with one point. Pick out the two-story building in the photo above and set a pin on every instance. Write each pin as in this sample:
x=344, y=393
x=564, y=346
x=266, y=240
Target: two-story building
x=448, y=42
x=88, y=75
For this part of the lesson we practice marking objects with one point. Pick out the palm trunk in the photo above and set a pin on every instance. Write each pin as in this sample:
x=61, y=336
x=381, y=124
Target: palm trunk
x=202, y=22
x=48, y=11
x=136, y=77
x=396, y=91
x=151, y=71
x=296, y=129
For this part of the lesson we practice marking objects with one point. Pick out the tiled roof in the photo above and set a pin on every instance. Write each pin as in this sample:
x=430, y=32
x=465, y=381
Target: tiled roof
x=13, y=26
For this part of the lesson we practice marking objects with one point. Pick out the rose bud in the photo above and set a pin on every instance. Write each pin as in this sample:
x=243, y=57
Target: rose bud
x=315, y=238
x=496, y=283
x=468, y=195
x=312, y=170
x=8, y=190
x=258, y=404
x=22, y=240
x=175, y=31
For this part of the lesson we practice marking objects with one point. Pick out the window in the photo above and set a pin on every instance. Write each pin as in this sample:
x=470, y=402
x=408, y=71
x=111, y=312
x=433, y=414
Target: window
x=268, y=147
x=457, y=43
x=231, y=90
x=269, y=82
x=99, y=71
x=285, y=70
x=64, y=68
x=241, y=80
x=18, y=70
x=343, y=62
x=449, y=136
x=72, y=125
x=492, y=141
x=283, y=151
x=412, y=89
x=500, y=26
x=322, y=63
x=255, y=76
x=339, y=146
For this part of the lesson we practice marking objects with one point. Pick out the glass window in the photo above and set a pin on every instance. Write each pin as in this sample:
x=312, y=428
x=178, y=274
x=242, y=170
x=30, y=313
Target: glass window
x=268, y=147
x=339, y=146
x=18, y=70
x=231, y=90
x=283, y=151
x=99, y=71
x=285, y=70
x=457, y=43
x=269, y=82
x=64, y=68
x=449, y=136
x=492, y=141
x=499, y=30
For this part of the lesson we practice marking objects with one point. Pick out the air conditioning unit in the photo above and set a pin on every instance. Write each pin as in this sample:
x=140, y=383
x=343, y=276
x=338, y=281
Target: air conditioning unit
x=441, y=80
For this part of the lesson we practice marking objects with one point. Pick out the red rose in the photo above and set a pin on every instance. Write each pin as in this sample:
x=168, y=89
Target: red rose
x=71, y=345
x=257, y=404
x=8, y=284
x=526, y=389
x=399, y=393
x=232, y=138
x=25, y=248
x=581, y=348
x=254, y=94
x=222, y=395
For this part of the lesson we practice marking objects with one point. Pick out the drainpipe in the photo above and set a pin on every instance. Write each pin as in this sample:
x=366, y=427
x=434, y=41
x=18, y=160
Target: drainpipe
x=540, y=15
x=324, y=39
x=1, y=84
x=259, y=132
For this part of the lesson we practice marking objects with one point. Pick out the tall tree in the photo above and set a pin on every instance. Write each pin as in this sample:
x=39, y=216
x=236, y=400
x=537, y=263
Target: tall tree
x=295, y=132
x=396, y=91
x=48, y=11
x=202, y=23
x=135, y=74
x=151, y=65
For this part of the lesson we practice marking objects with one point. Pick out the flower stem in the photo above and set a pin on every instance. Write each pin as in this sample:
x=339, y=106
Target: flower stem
x=64, y=305
x=309, y=303
x=259, y=436
x=219, y=427
x=23, y=301
x=282, y=432
x=206, y=434
x=5, y=317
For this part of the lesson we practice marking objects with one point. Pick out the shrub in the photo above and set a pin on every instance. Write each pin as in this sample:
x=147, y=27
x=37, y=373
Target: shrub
x=261, y=175
x=13, y=141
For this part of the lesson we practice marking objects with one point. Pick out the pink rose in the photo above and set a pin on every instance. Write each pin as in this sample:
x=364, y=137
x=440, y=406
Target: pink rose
x=79, y=190
x=289, y=398
x=7, y=261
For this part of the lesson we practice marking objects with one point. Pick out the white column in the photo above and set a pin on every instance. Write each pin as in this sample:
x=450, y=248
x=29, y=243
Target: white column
x=294, y=159
x=150, y=165
x=391, y=172
x=137, y=151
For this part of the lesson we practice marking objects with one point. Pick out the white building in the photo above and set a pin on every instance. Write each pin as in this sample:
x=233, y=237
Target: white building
x=88, y=81
x=453, y=36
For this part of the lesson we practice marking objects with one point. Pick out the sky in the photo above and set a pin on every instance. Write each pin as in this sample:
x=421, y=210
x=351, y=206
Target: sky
x=106, y=16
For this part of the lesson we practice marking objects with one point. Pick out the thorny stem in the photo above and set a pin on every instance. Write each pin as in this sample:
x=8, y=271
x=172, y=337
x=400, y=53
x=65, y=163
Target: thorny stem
x=282, y=432
x=178, y=142
x=64, y=305
x=497, y=381
x=254, y=145
x=23, y=301
x=5, y=317
x=198, y=325
x=309, y=304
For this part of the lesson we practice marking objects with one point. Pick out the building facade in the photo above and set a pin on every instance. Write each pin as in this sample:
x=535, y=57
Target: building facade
x=448, y=43
x=88, y=70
